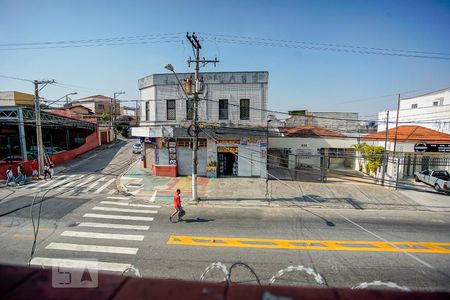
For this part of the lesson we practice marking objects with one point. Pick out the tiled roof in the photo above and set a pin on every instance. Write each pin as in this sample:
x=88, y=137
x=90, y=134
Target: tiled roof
x=93, y=97
x=411, y=134
x=311, y=131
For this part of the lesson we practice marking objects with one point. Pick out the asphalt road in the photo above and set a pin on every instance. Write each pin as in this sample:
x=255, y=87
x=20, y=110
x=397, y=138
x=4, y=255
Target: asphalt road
x=120, y=232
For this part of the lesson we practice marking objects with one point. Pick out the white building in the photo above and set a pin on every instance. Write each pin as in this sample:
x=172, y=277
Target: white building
x=227, y=98
x=431, y=110
x=230, y=103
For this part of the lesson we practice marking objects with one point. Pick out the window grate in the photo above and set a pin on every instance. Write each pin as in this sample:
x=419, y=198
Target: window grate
x=244, y=111
x=223, y=109
x=171, y=110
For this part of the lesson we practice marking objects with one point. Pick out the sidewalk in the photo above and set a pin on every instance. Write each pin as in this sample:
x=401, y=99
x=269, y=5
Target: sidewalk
x=252, y=192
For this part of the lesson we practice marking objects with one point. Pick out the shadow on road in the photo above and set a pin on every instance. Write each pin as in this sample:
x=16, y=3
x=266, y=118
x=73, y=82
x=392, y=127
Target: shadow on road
x=198, y=220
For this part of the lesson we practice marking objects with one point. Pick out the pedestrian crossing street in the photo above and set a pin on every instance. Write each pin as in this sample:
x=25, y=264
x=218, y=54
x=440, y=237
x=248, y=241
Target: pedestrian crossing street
x=111, y=233
x=75, y=184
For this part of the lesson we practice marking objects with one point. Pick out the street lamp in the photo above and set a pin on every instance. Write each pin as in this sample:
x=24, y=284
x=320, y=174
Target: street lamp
x=65, y=96
x=171, y=69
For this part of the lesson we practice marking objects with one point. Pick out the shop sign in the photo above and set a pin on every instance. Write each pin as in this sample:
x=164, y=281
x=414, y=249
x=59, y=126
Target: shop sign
x=172, y=147
x=424, y=147
x=228, y=141
x=222, y=149
x=245, y=141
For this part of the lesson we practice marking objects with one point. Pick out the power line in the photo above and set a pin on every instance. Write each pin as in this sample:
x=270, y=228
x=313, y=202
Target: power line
x=324, y=44
x=16, y=78
x=100, y=44
x=323, y=48
x=274, y=111
x=147, y=36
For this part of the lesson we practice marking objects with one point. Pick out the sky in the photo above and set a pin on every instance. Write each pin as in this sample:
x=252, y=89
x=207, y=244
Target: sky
x=299, y=78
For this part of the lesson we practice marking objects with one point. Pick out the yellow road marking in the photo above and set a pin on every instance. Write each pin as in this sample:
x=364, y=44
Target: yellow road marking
x=4, y=227
x=371, y=246
x=28, y=236
x=183, y=184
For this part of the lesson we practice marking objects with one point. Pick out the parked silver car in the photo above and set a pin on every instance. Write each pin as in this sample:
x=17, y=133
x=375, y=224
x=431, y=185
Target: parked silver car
x=137, y=148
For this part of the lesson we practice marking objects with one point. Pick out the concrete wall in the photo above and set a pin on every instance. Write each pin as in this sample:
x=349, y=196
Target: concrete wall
x=307, y=150
x=310, y=143
x=338, y=121
x=436, y=117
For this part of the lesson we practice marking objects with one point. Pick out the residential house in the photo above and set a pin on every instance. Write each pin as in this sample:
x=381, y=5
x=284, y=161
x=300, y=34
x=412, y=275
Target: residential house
x=431, y=110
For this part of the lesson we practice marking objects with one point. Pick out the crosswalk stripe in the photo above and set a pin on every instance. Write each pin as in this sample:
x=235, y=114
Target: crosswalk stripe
x=104, y=186
x=115, y=226
x=97, y=235
x=111, y=192
x=70, y=183
x=76, y=263
x=139, y=211
x=118, y=198
x=61, y=182
x=86, y=181
x=130, y=204
x=48, y=182
x=118, y=217
x=101, y=179
x=92, y=248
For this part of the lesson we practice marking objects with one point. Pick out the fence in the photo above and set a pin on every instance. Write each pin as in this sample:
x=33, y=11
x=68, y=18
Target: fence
x=91, y=142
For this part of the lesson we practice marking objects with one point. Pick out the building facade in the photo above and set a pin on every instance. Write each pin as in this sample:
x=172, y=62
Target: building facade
x=431, y=110
x=232, y=114
x=13, y=98
x=343, y=122
x=99, y=104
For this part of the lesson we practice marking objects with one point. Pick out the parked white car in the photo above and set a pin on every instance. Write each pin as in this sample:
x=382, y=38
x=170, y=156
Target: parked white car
x=439, y=179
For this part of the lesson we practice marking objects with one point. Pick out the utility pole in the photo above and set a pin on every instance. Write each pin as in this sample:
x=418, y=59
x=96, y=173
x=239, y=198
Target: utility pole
x=39, y=141
x=395, y=142
x=385, y=158
x=114, y=112
x=197, y=90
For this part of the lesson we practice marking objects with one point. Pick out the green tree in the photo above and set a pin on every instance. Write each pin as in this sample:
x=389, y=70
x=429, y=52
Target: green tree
x=105, y=117
x=373, y=155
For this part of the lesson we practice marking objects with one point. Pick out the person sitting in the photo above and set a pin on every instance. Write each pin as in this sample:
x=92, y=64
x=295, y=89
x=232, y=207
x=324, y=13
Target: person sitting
x=9, y=176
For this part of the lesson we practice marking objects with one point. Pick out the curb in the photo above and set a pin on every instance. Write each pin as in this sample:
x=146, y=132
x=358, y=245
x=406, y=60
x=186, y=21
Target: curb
x=120, y=187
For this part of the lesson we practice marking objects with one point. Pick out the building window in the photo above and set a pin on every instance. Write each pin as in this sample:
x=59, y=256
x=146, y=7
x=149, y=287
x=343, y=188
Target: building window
x=223, y=109
x=436, y=103
x=184, y=143
x=147, y=110
x=189, y=109
x=171, y=110
x=244, y=111
x=101, y=106
x=413, y=105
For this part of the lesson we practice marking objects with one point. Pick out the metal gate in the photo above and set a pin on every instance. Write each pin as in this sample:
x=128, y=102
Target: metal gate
x=184, y=157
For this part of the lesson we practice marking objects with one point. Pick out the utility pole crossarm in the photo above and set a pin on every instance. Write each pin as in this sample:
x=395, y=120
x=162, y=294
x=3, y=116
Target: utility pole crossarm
x=196, y=45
